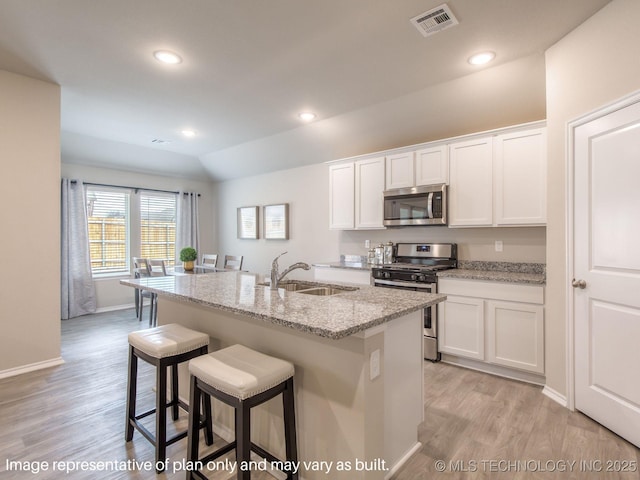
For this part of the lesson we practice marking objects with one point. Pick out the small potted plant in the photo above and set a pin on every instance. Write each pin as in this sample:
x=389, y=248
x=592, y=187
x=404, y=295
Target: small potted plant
x=188, y=256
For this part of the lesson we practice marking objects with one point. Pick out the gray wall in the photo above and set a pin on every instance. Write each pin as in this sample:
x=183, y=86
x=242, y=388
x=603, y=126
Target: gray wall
x=30, y=199
x=594, y=65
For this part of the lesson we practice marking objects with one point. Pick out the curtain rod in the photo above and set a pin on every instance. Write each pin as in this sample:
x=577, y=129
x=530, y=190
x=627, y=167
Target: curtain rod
x=130, y=188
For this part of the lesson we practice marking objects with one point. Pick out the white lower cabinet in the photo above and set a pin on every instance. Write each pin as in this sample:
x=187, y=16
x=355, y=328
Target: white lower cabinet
x=463, y=332
x=515, y=335
x=495, y=323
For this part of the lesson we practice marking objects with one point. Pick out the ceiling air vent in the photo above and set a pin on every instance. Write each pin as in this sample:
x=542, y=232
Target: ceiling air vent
x=159, y=141
x=434, y=20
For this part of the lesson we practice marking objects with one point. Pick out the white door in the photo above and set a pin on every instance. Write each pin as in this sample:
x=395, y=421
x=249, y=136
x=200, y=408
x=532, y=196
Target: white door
x=606, y=295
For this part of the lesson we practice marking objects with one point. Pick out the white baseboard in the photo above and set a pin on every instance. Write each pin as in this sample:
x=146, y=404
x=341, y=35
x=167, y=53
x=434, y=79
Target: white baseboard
x=32, y=367
x=555, y=396
x=398, y=465
x=498, y=370
x=114, y=308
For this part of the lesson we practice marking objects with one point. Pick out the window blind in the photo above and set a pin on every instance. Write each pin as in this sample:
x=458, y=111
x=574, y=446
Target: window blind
x=108, y=221
x=158, y=226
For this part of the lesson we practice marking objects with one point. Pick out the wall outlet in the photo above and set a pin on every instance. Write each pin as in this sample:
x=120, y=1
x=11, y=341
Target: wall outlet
x=374, y=364
x=498, y=245
x=367, y=244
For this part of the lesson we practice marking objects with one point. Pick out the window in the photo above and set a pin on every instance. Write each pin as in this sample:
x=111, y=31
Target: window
x=158, y=226
x=108, y=219
x=123, y=224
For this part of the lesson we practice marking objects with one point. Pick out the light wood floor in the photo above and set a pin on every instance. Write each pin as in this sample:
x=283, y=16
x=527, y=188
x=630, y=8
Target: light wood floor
x=473, y=421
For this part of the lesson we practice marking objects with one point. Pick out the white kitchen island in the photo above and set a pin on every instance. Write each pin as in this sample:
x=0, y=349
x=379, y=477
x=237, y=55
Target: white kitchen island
x=357, y=355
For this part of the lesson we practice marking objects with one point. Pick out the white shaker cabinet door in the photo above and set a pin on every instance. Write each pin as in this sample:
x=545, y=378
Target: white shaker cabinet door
x=461, y=327
x=520, y=164
x=515, y=335
x=369, y=178
x=471, y=183
x=341, y=196
x=400, y=171
x=432, y=165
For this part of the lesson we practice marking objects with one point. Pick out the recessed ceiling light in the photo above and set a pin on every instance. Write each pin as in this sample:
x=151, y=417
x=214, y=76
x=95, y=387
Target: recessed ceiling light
x=188, y=133
x=306, y=116
x=481, y=58
x=165, y=56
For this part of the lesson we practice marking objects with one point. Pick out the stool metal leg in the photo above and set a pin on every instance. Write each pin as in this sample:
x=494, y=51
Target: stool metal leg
x=174, y=391
x=290, y=426
x=243, y=439
x=131, y=394
x=161, y=414
x=194, y=421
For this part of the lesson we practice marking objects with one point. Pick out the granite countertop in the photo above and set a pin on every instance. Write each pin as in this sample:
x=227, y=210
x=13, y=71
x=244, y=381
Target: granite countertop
x=508, y=272
x=332, y=316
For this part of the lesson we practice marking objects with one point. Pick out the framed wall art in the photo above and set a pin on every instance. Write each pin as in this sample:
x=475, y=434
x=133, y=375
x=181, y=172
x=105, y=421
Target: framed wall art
x=276, y=221
x=248, y=223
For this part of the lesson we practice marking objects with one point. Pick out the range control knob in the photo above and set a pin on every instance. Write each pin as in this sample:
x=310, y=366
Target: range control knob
x=387, y=275
x=414, y=277
x=421, y=278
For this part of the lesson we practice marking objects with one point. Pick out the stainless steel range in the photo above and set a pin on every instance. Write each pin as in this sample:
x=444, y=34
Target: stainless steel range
x=415, y=268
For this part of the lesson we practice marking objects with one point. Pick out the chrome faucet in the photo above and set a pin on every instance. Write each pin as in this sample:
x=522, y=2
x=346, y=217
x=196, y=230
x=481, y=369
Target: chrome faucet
x=276, y=278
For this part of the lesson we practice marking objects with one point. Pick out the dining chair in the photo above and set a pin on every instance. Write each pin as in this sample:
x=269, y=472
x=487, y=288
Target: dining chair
x=157, y=268
x=209, y=260
x=140, y=269
x=233, y=262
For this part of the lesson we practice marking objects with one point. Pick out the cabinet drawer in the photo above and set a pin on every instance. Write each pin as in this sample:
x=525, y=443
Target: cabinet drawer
x=492, y=290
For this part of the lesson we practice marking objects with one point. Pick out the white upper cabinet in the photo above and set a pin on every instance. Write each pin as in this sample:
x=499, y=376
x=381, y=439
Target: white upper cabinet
x=432, y=165
x=355, y=194
x=400, y=171
x=499, y=180
x=520, y=178
x=428, y=166
x=471, y=183
x=342, y=196
x=369, y=186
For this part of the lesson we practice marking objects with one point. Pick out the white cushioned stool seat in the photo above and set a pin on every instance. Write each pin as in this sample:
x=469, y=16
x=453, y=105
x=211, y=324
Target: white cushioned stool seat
x=240, y=372
x=168, y=340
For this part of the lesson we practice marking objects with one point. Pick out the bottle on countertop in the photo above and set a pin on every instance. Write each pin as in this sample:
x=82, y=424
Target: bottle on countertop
x=389, y=253
x=371, y=256
x=379, y=254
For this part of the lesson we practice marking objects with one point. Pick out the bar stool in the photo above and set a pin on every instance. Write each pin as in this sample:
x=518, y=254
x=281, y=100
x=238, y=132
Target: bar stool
x=164, y=346
x=241, y=378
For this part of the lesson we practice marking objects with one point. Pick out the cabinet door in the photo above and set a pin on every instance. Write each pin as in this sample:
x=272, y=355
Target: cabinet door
x=471, y=183
x=432, y=165
x=341, y=196
x=400, y=172
x=461, y=327
x=515, y=335
x=520, y=165
x=369, y=187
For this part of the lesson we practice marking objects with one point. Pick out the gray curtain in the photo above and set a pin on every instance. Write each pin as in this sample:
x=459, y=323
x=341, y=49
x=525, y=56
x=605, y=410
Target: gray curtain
x=188, y=226
x=78, y=296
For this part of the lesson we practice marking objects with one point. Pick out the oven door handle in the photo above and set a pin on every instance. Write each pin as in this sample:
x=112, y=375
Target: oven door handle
x=394, y=283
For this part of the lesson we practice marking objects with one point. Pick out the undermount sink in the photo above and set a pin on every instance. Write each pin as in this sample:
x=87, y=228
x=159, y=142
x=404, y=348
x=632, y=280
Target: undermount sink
x=311, y=288
x=325, y=290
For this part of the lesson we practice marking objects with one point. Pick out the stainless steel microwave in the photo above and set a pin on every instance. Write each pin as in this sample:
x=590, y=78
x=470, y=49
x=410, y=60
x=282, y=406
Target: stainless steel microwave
x=425, y=205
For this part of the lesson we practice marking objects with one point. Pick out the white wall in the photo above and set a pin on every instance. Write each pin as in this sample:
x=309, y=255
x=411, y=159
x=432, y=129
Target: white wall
x=30, y=218
x=306, y=189
x=594, y=65
x=109, y=292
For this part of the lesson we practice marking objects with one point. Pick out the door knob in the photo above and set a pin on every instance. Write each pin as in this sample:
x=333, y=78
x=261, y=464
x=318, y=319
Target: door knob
x=578, y=284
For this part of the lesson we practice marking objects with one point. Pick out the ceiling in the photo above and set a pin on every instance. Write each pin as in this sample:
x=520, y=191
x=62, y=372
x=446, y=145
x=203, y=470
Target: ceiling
x=250, y=66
